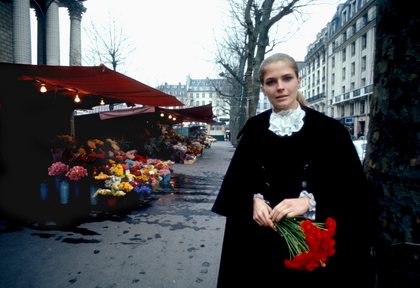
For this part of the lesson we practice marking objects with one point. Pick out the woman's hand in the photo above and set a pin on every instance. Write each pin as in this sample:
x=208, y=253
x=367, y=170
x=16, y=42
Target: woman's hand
x=261, y=213
x=289, y=208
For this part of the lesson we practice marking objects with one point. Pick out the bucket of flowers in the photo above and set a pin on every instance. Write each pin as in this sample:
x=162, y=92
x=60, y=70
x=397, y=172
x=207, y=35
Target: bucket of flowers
x=65, y=178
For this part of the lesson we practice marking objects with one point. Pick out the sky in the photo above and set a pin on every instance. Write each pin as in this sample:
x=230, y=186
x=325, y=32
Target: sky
x=174, y=39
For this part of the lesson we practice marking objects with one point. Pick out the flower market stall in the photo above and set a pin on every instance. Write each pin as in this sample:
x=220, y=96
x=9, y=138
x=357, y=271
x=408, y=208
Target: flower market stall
x=36, y=105
x=98, y=175
x=149, y=130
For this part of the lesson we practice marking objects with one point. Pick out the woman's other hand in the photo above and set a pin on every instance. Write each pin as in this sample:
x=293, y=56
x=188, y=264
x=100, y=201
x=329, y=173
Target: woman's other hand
x=289, y=208
x=262, y=212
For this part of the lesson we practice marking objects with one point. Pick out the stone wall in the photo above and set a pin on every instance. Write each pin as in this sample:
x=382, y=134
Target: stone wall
x=6, y=31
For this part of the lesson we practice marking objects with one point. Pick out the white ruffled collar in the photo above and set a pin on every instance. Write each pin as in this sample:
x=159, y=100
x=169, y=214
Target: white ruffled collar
x=286, y=122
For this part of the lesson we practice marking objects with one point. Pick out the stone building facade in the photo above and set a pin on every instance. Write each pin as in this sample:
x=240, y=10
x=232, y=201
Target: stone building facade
x=337, y=78
x=199, y=92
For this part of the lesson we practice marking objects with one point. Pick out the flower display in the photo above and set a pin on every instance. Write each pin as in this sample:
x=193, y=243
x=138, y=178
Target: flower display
x=75, y=173
x=58, y=168
x=113, y=171
x=309, y=243
x=139, y=175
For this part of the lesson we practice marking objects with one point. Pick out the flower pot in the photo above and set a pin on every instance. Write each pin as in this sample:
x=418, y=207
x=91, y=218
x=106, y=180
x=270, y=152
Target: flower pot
x=64, y=192
x=92, y=190
x=43, y=190
x=111, y=201
x=166, y=179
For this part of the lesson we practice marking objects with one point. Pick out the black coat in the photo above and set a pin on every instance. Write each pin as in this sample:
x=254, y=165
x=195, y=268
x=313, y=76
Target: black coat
x=321, y=154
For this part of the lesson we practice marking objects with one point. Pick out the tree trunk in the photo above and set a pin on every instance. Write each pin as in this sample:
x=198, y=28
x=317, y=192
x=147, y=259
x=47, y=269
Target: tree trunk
x=393, y=157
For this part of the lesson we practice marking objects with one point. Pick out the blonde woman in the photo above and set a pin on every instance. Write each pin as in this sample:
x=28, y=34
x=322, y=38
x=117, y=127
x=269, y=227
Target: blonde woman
x=292, y=161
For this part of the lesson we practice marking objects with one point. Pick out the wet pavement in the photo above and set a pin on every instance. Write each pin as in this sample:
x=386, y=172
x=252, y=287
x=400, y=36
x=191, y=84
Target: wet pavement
x=174, y=241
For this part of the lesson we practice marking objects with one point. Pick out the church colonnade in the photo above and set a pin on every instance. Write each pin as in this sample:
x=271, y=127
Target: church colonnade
x=48, y=30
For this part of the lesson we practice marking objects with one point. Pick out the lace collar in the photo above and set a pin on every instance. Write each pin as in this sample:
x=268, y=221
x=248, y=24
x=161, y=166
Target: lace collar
x=285, y=122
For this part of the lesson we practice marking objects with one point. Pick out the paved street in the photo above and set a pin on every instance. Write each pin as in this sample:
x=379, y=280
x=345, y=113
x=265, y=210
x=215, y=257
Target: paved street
x=174, y=242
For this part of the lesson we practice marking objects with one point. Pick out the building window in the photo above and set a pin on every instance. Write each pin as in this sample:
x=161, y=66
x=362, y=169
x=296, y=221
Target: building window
x=353, y=68
x=353, y=48
x=364, y=41
x=362, y=107
x=365, y=19
x=343, y=76
x=333, y=62
x=344, y=17
x=343, y=55
x=363, y=66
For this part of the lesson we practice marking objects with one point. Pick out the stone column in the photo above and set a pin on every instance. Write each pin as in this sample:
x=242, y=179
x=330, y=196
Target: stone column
x=40, y=19
x=76, y=9
x=21, y=32
x=53, y=34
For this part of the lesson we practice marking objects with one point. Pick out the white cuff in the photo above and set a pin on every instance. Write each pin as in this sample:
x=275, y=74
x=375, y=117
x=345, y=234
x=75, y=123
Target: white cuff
x=310, y=214
x=260, y=196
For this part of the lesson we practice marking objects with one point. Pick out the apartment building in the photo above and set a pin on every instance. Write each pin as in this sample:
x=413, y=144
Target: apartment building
x=337, y=78
x=199, y=92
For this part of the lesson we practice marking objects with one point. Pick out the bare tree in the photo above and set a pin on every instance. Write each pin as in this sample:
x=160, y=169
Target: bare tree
x=107, y=45
x=245, y=47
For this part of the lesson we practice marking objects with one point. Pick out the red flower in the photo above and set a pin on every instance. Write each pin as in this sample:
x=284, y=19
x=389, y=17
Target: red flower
x=309, y=246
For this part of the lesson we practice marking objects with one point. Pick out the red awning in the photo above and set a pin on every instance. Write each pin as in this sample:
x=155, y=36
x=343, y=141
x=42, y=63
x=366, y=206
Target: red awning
x=192, y=114
x=125, y=112
x=89, y=80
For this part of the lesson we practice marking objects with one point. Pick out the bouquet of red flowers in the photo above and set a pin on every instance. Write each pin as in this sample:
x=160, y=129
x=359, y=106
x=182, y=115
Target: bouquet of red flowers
x=309, y=243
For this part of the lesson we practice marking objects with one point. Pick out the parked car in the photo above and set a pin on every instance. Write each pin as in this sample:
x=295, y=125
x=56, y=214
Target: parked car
x=360, y=146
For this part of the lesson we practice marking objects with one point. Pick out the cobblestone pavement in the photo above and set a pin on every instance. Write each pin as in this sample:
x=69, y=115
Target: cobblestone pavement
x=173, y=242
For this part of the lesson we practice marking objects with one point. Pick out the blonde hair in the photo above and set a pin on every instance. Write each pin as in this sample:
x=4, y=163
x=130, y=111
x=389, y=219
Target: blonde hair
x=285, y=58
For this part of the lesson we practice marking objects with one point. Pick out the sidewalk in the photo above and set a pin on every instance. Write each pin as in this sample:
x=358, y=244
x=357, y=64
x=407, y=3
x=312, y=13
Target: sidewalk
x=176, y=242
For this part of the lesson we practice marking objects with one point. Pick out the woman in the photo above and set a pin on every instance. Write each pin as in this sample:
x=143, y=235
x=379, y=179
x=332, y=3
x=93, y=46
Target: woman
x=292, y=161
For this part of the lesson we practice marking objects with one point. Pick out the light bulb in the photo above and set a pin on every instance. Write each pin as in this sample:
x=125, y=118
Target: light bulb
x=76, y=98
x=43, y=89
x=102, y=102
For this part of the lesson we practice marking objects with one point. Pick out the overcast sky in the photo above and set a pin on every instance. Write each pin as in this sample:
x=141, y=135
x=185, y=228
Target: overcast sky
x=173, y=39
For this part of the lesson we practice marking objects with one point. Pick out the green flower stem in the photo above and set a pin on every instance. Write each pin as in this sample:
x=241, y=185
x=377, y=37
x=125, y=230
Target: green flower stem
x=289, y=229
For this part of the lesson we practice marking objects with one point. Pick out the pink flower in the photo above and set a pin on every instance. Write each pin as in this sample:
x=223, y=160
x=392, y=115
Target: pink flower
x=57, y=168
x=164, y=171
x=76, y=173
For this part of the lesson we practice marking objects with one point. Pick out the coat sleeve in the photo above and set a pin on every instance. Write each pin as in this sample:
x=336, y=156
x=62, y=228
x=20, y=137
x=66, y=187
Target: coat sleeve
x=236, y=192
x=344, y=194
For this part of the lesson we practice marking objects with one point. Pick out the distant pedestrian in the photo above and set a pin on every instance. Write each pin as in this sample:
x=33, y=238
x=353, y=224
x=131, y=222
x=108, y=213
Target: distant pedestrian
x=292, y=161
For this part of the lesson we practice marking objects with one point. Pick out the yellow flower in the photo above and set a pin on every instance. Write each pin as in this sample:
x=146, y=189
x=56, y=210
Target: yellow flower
x=101, y=176
x=125, y=186
x=118, y=170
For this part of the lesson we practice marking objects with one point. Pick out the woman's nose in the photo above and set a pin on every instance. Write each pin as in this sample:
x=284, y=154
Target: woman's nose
x=280, y=84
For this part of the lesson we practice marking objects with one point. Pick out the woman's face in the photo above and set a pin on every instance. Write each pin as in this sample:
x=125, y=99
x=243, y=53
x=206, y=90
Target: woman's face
x=280, y=85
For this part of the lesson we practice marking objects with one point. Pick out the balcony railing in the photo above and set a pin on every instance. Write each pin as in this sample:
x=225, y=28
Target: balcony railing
x=357, y=93
x=315, y=98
